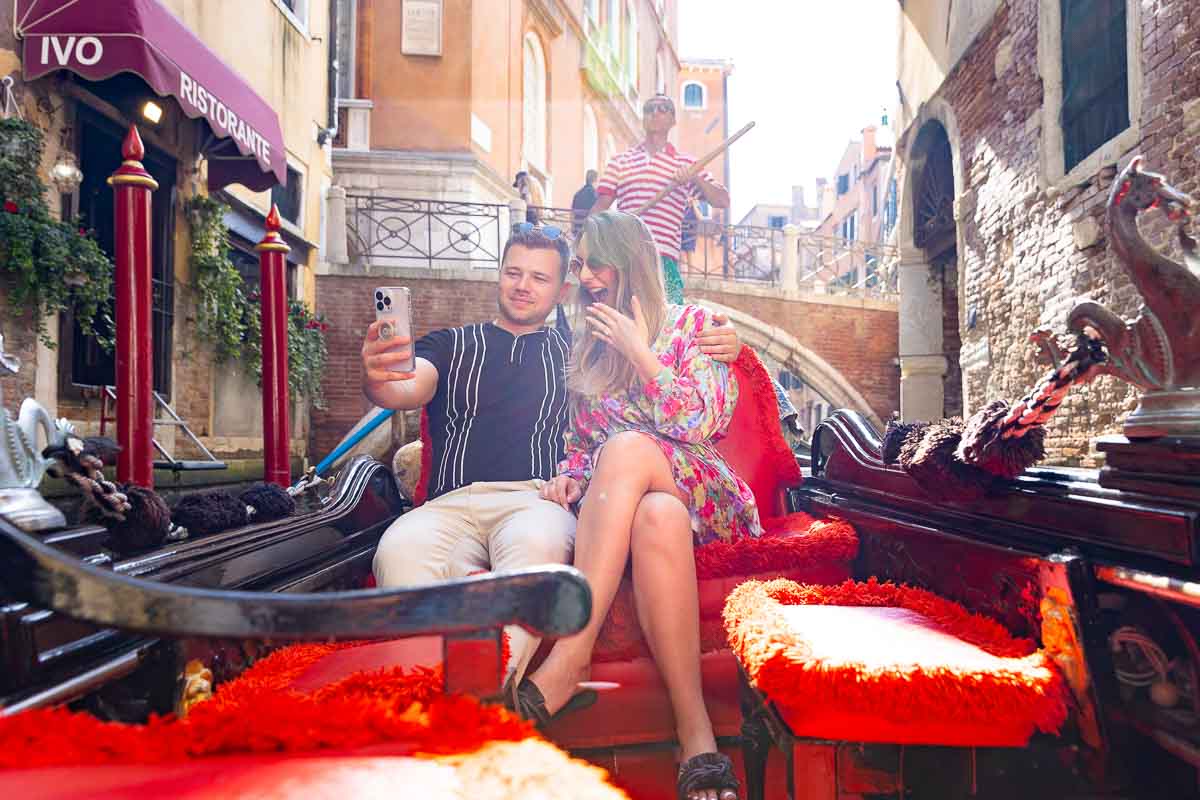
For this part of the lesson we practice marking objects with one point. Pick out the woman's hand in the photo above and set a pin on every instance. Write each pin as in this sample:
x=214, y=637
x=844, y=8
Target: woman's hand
x=629, y=336
x=563, y=490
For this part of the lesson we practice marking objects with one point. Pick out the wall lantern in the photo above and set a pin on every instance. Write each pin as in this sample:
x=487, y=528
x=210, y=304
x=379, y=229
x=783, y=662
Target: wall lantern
x=65, y=174
x=152, y=111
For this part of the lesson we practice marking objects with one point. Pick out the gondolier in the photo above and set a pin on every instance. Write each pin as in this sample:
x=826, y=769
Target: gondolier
x=638, y=175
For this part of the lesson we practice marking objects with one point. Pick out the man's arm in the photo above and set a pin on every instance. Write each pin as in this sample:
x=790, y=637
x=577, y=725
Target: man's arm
x=405, y=394
x=603, y=203
x=388, y=387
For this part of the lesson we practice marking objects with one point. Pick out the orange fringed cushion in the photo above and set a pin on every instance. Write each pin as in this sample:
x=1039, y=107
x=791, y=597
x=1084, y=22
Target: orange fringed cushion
x=794, y=541
x=262, y=711
x=882, y=662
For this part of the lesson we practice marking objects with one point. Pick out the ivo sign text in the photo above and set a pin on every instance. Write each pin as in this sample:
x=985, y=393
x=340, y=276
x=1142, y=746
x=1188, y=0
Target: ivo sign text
x=87, y=50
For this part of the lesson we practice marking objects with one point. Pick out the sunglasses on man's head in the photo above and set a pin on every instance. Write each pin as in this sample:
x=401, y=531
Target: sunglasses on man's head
x=550, y=232
x=661, y=108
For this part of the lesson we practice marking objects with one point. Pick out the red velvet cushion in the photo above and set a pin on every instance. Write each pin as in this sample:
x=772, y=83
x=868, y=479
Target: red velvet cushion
x=877, y=662
x=753, y=444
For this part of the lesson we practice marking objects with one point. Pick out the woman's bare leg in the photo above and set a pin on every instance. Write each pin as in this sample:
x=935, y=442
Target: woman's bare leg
x=631, y=466
x=668, y=608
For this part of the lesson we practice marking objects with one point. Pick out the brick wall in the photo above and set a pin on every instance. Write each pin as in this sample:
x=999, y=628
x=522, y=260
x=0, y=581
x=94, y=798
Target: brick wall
x=1029, y=253
x=19, y=341
x=860, y=343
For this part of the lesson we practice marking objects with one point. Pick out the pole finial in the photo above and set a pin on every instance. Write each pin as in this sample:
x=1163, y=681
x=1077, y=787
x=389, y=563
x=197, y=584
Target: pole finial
x=132, y=148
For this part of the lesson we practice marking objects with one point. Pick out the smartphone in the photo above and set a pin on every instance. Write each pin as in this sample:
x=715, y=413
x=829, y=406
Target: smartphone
x=392, y=307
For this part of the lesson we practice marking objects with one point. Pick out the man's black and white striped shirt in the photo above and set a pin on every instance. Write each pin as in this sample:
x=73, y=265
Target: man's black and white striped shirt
x=500, y=406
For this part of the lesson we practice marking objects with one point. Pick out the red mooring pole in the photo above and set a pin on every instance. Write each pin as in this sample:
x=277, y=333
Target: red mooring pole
x=272, y=260
x=132, y=185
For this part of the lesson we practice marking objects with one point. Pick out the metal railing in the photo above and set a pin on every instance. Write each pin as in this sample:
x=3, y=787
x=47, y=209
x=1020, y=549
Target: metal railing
x=444, y=234
x=833, y=265
x=732, y=252
x=389, y=231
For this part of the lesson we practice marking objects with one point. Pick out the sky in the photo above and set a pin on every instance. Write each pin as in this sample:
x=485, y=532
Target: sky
x=811, y=73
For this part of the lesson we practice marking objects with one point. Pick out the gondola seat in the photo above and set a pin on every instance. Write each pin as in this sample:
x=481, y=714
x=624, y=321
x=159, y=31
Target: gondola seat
x=794, y=545
x=880, y=662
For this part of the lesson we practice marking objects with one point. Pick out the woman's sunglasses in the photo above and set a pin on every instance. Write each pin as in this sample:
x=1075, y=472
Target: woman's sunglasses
x=550, y=232
x=576, y=265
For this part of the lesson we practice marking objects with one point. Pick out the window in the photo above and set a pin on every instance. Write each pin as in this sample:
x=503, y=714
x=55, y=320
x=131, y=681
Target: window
x=631, y=47
x=296, y=11
x=849, y=225
x=693, y=95
x=534, y=103
x=843, y=184
x=288, y=197
x=889, y=206
x=776, y=221
x=591, y=140
x=1095, y=91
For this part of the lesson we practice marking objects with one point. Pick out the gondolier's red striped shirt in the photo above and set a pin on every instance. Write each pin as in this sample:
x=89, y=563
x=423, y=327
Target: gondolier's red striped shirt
x=635, y=177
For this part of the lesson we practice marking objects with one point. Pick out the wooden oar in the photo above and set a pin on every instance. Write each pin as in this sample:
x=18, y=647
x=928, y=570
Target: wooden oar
x=695, y=168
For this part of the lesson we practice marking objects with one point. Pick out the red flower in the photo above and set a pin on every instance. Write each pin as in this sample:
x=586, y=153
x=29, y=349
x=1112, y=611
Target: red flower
x=324, y=327
x=10, y=207
x=82, y=232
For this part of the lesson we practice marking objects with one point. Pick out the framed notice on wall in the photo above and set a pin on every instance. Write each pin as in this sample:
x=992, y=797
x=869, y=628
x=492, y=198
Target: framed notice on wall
x=421, y=34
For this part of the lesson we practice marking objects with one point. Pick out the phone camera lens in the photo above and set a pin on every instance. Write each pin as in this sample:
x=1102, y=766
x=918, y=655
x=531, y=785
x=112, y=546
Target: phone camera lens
x=387, y=301
x=379, y=306
x=379, y=296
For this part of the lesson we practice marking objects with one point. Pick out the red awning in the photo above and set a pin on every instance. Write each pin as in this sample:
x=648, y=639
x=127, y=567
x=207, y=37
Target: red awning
x=96, y=39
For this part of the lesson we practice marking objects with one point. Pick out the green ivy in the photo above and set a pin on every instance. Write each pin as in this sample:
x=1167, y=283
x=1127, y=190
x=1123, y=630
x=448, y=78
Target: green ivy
x=306, y=348
x=231, y=322
x=221, y=305
x=55, y=265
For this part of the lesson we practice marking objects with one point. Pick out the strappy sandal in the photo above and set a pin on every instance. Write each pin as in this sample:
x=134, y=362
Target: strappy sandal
x=707, y=771
x=531, y=704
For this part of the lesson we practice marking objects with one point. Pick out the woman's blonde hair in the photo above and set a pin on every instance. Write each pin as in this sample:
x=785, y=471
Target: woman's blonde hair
x=623, y=242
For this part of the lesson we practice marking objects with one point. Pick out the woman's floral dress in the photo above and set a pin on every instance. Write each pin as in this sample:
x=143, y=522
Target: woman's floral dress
x=686, y=409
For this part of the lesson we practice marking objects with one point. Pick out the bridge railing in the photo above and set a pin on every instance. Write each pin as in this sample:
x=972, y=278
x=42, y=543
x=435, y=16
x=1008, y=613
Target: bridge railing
x=446, y=234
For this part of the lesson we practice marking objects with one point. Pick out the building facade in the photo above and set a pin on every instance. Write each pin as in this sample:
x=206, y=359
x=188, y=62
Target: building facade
x=1012, y=125
x=702, y=113
x=854, y=206
x=451, y=99
x=238, y=112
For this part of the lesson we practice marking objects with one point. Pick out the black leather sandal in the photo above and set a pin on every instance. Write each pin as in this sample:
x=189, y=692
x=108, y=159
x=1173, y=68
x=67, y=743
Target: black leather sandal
x=531, y=704
x=707, y=771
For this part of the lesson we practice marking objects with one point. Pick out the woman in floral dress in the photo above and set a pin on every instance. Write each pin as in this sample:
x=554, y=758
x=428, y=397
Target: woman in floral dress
x=647, y=407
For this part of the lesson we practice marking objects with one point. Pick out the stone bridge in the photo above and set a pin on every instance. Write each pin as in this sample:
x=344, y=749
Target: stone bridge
x=843, y=346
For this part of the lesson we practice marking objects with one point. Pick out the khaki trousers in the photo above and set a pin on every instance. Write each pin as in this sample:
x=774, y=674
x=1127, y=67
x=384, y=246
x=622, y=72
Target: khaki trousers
x=494, y=526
